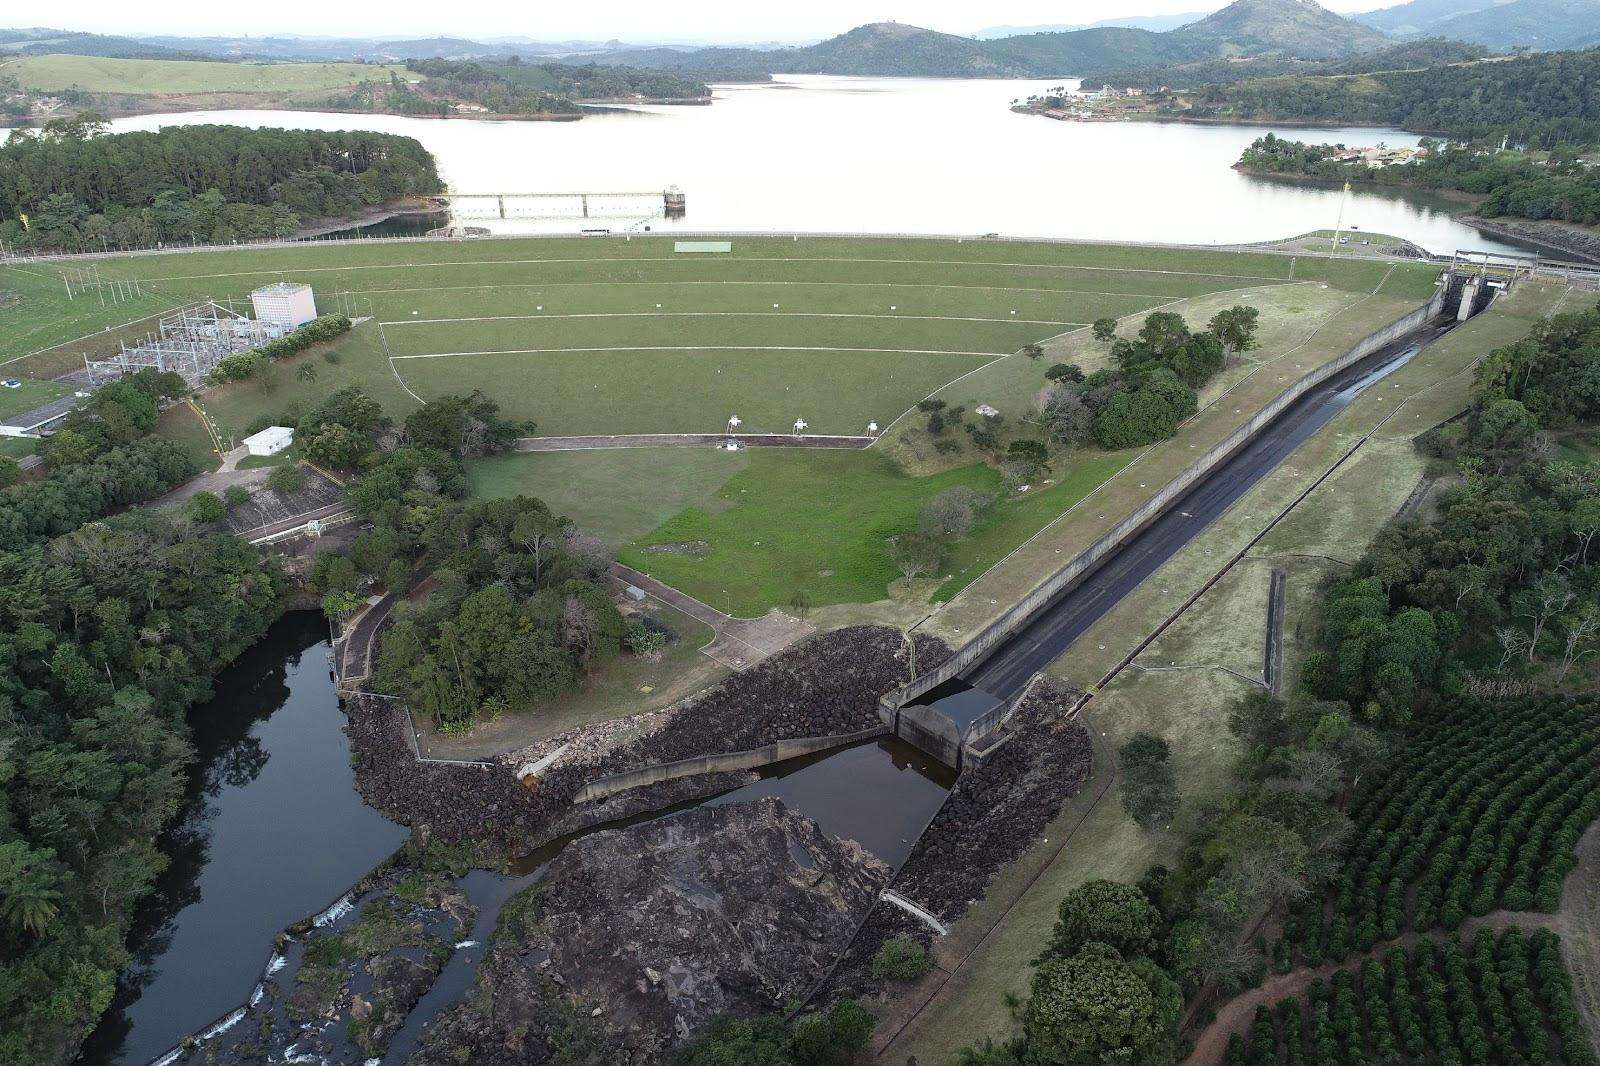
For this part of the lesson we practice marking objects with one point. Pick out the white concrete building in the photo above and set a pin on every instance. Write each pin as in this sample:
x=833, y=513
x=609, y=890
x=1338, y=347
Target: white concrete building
x=284, y=303
x=270, y=441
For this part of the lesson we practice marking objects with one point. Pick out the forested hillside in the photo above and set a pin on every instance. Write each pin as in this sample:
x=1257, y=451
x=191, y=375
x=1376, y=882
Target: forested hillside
x=1540, y=100
x=73, y=186
x=512, y=87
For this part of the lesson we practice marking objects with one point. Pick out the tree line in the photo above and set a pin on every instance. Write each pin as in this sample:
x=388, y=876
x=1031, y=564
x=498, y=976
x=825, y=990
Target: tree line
x=110, y=630
x=1543, y=101
x=102, y=459
x=519, y=606
x=72, y=186
x=1560, y=187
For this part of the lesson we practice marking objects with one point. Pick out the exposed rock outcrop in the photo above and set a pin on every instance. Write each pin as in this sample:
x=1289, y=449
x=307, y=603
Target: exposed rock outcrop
x=647, y=932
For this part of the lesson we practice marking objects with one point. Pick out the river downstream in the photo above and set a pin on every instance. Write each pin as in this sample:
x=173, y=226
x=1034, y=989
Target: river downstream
x=272, y=831
x=898, y=155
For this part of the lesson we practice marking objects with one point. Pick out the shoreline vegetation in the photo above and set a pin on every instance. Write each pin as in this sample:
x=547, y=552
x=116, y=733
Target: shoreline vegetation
x=1499, y=134
x=37, y=89
x=217, y=184
x=1549, y=198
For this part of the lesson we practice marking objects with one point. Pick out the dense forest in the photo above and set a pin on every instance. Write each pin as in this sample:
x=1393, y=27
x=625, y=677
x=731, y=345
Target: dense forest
x=1437, y=761
x=109, y=632
x=73, y=186
x=518, y=609
x=103, y=458
x=1560, y=187
x=1540, y=101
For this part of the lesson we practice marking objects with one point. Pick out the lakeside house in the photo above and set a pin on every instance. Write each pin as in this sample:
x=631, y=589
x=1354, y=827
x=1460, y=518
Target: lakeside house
x=1375, y=158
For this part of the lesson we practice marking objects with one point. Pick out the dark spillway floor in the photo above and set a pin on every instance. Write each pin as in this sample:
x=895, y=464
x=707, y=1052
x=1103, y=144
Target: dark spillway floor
x=1006, y=670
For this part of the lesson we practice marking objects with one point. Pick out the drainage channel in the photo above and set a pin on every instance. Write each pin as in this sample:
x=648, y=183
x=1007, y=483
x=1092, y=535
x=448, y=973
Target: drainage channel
x=1006, y=671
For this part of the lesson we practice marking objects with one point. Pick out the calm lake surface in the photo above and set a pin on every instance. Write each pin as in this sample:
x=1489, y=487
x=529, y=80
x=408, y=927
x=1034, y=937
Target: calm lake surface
x=273, y=832
x=898, y=155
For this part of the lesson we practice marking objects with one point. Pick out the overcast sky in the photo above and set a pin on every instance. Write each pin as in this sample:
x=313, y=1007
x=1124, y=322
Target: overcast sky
x=633, y=20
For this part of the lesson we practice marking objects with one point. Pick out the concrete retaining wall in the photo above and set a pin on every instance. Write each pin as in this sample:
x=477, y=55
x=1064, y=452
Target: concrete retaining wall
x=778, y=751
x=1085, y=561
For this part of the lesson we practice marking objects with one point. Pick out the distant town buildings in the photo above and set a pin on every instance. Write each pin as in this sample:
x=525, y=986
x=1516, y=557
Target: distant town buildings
x=1375, y=158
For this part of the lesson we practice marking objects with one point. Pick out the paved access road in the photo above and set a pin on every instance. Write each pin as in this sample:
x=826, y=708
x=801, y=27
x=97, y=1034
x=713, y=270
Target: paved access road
x=1005, y=672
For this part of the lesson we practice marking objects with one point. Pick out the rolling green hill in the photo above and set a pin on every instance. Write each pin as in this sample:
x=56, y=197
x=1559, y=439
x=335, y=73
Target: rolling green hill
x=1300, y=28
x=53, y=73
x=1543, y=25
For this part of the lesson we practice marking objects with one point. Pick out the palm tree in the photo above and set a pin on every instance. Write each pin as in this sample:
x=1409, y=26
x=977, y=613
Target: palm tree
x=28, y=891
x=307, y=373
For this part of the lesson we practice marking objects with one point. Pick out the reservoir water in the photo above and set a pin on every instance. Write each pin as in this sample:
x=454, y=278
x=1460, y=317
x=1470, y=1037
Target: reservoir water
x=273, y=831
x=899, y=155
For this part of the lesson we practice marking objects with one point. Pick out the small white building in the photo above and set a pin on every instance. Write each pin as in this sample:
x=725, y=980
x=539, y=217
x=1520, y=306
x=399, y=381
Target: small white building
x=270, y=441
x=287, y=304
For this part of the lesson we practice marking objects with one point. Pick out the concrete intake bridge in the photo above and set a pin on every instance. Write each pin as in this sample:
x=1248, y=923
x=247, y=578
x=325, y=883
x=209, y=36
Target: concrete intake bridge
x=660, y=203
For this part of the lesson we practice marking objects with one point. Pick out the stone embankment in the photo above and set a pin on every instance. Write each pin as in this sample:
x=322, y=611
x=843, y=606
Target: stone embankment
x=1580, y=243
x=993, y=815
x=827, y=686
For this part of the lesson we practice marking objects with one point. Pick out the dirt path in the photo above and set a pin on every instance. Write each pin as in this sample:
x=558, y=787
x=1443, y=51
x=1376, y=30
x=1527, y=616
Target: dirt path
x=740, y=642
x=601, y=442
x=1576, y=922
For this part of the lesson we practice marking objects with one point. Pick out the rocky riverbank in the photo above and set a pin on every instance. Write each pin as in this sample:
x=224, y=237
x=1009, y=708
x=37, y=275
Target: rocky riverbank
x=652, y=930
x=827, y=686
x=1581, y=244
x=338, y=988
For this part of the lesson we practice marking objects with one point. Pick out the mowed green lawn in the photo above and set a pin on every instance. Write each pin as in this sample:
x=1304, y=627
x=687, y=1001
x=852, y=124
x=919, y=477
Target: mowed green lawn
x=745, y=532
x=28, y=395
x=861, y=331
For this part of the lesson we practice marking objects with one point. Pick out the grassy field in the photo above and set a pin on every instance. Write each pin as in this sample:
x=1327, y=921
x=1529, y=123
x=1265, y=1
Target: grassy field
x=29, y=394
x=616, y=495
x=96, y=74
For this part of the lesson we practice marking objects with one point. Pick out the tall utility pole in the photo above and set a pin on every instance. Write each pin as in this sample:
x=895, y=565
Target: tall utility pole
x=1338, y=225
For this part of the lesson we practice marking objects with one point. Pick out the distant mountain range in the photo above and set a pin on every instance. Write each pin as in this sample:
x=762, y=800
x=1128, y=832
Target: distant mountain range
x=1271, y=34
x=1293, y=29
x=1542, y=25
x=1153, y=23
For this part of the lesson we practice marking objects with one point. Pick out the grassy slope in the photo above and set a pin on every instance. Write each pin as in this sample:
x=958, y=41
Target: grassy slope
x=1176, y=687
x=28, y=395
x=617, y=495
x=52, y=73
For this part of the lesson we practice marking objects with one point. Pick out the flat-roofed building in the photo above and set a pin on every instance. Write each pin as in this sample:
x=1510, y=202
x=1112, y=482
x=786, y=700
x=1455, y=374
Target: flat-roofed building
x=284, y=303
